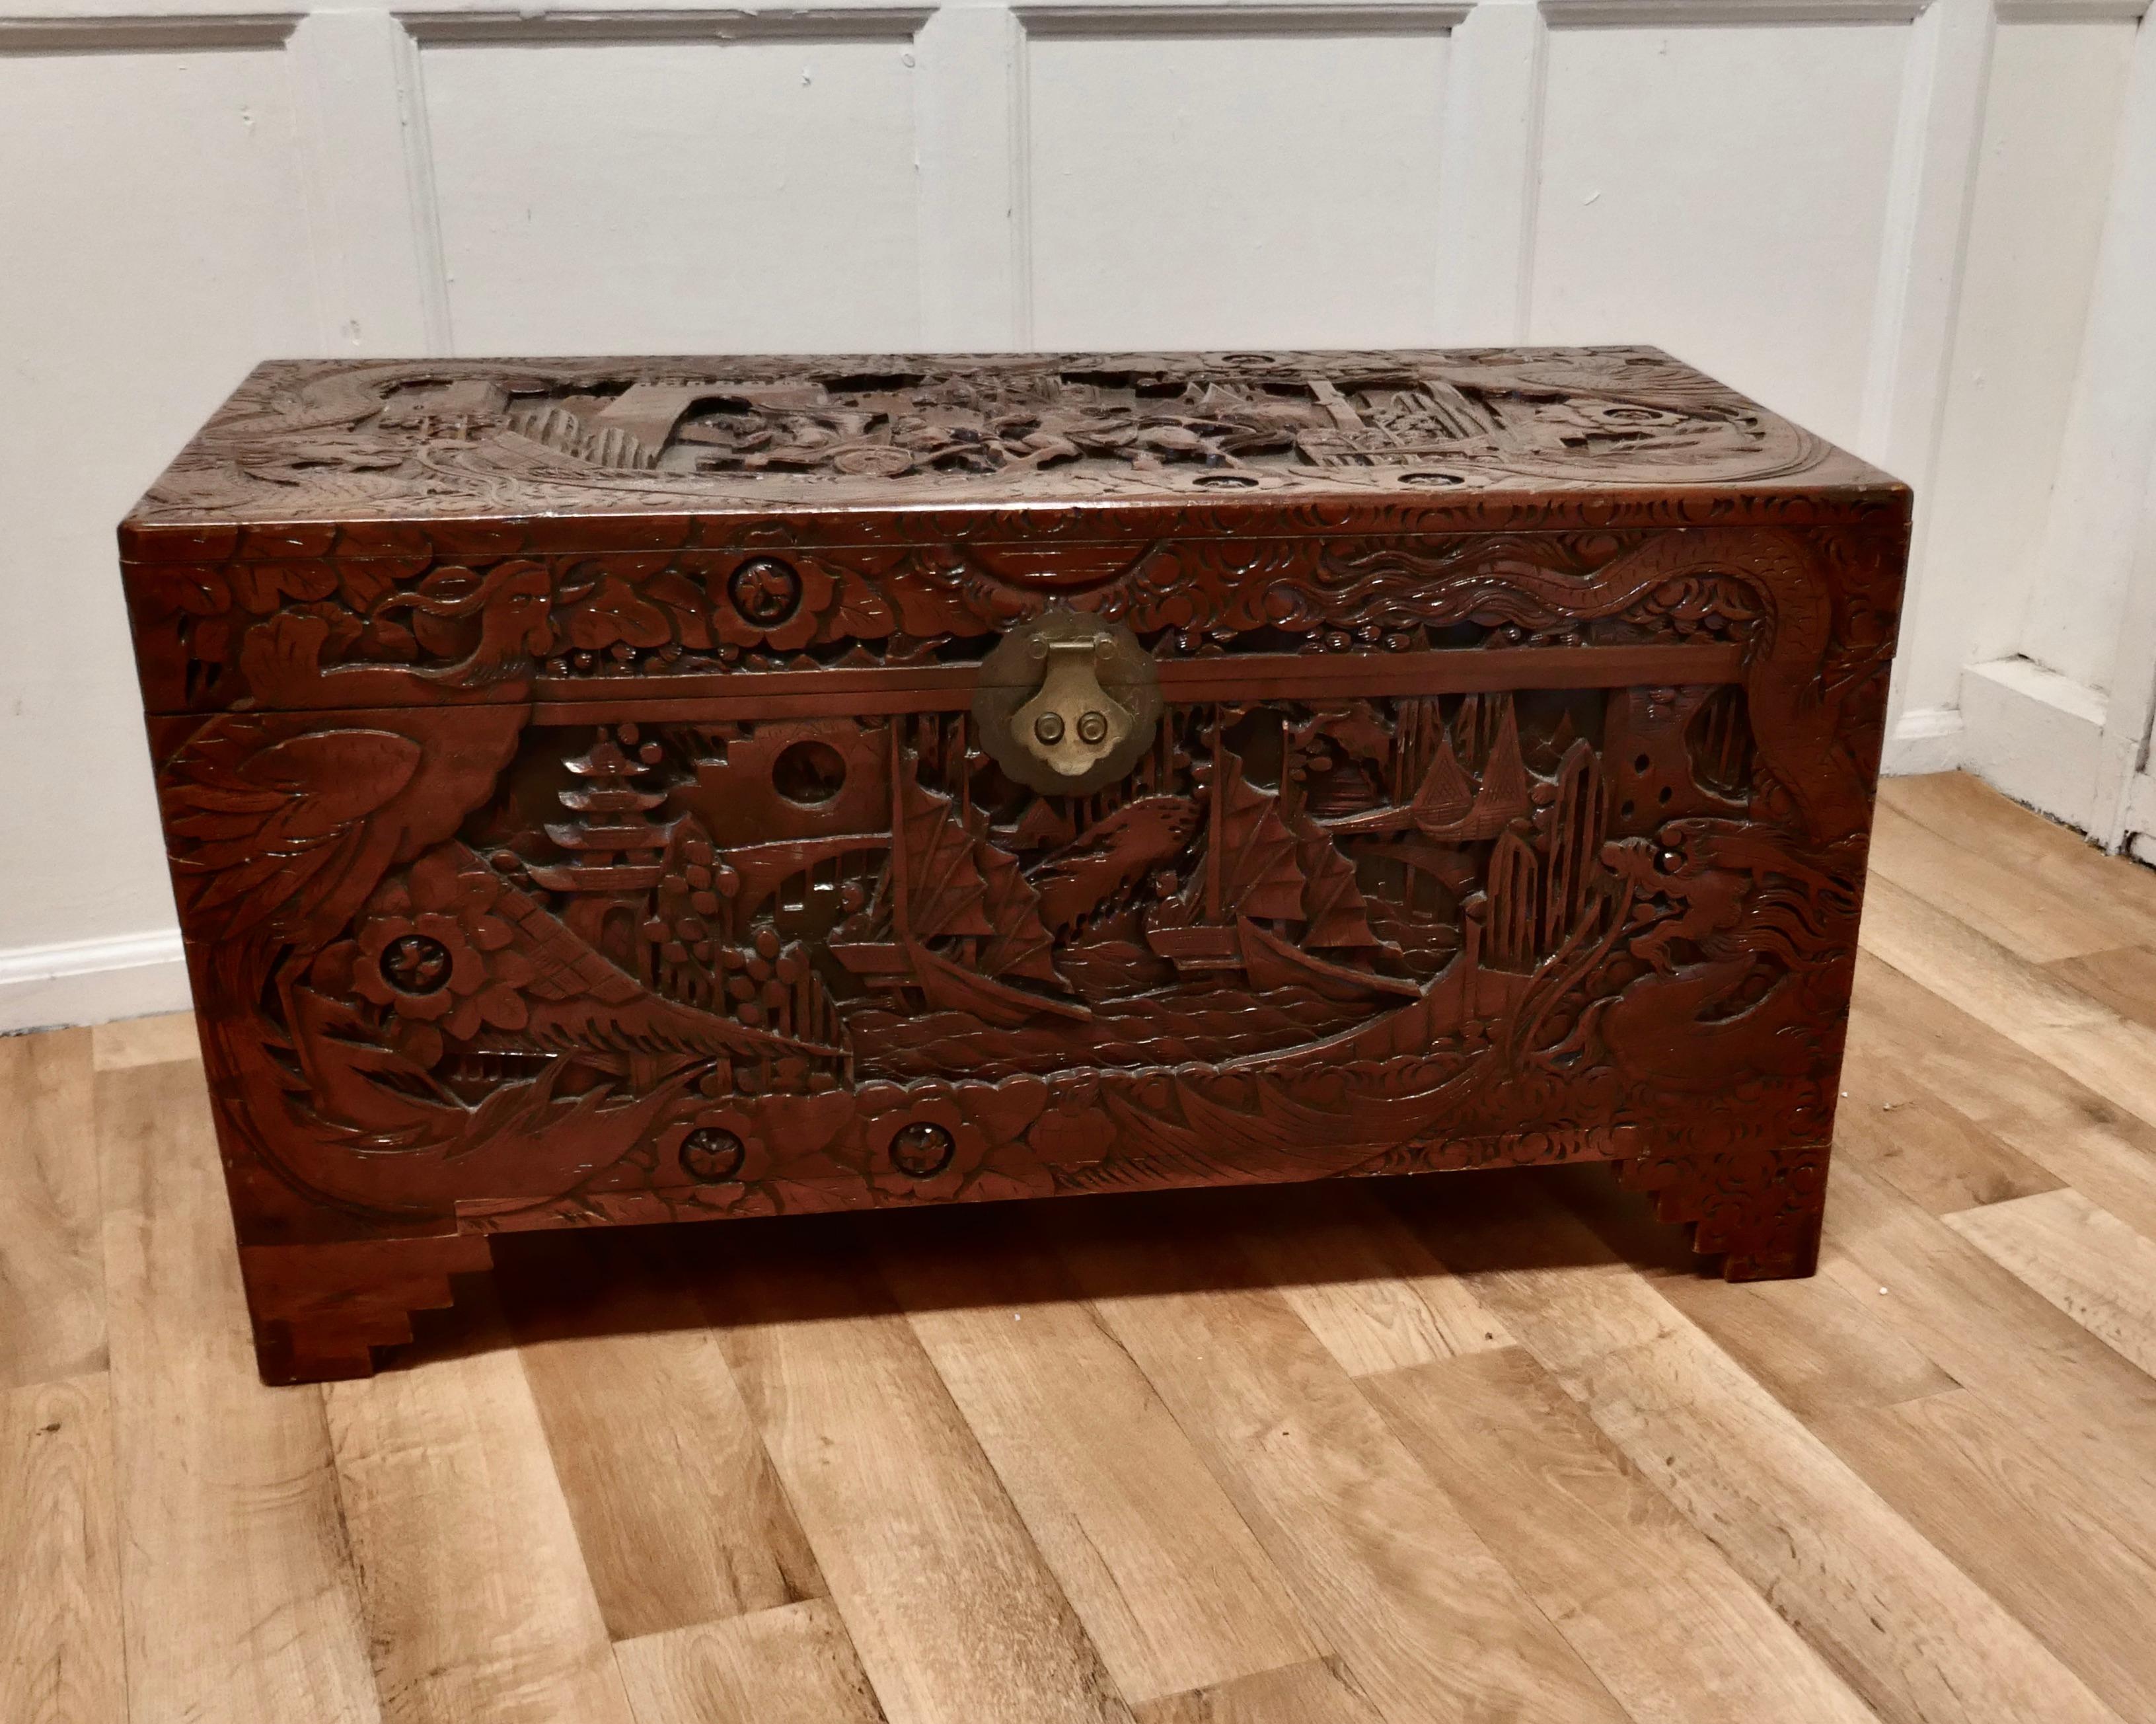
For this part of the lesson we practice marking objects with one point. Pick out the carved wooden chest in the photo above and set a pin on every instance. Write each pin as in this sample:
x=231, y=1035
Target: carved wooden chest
x=625, y=791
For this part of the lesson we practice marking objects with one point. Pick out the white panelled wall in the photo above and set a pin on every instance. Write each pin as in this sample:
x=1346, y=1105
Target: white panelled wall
x=1927, y=230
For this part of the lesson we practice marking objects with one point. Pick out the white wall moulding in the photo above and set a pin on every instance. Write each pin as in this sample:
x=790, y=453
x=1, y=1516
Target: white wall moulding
x=1922, y=275
x=90, y=981
x=1243, y=18
x=2140, y=818
x=156, y=202
x=2081, y=572
x=2030, y=257
x=1490, y=175
x=1639, y=14
x=2070, y=12
x=135, y=33
x=371, y=173
x=969, y=142
x=2091, y=606
x=2124, y=784
x=1760, y=260
x=2035, y=734
x=1173, y=185
x=823, y=23
x=746, y=192
x=1927, y=739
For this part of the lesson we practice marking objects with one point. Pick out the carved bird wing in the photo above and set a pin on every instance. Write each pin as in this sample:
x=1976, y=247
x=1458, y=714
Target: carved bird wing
x=265, y=831
x=279, y=826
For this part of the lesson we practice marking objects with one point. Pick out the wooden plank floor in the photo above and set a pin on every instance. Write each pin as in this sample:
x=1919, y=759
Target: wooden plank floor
x=1475, y=1448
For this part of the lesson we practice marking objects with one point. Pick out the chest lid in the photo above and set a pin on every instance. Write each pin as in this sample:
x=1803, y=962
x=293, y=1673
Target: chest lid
x=354, y=458
x=861, y=532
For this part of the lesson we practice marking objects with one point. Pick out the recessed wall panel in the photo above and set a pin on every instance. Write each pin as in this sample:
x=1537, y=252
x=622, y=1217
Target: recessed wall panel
x=2043, y=184
x=1234, y=191
x=155, y=245
x=680, y=197
x=1723, y=193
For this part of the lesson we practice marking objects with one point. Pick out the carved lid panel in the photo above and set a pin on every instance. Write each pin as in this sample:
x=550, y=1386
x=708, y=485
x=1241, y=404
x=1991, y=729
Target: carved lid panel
x=384, y=457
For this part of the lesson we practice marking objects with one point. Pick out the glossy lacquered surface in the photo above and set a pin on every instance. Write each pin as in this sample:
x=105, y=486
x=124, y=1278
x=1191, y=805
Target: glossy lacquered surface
x=641, y=856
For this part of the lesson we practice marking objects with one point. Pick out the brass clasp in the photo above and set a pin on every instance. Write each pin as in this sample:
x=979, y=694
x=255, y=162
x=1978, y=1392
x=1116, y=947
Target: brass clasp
x=1066, y=703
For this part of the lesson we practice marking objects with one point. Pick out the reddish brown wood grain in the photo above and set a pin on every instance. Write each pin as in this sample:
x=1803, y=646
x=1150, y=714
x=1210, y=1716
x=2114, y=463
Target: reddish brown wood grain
x=578, y=816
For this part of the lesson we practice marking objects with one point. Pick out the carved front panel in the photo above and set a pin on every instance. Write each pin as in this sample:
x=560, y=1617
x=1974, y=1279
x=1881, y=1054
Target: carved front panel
x=552, y=947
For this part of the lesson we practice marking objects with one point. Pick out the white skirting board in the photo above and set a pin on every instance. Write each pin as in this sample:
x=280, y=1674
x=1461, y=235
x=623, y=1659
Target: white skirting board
x=1928, y=740
x=92, y=981
x=2035, y=734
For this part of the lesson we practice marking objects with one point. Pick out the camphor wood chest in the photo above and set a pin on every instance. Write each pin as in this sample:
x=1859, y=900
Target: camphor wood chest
x=633, y=790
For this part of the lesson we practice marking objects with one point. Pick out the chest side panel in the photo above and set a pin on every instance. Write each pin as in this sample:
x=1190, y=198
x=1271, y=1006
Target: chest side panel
x=620, y=888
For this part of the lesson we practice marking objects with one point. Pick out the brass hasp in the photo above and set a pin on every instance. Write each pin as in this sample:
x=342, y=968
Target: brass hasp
x=1067, y=703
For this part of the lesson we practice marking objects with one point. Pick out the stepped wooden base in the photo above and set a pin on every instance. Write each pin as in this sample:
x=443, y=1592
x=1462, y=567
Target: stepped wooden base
x=320, y=1311
x=1760, y=1210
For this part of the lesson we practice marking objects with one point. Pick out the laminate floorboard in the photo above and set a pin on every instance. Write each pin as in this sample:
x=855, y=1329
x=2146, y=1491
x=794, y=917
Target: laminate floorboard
x=794, y=1663
x=60, y=1641
x=1393, y=1452
x=239, y=1591
x=678, y=1513
x=51, y=1266
x=1298, y=1693
x=1169, y=1582
x=2087, y=1261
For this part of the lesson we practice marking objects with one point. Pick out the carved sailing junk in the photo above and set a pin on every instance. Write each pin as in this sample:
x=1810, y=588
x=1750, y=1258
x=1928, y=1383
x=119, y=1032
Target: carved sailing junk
x=944, y=882
x=606, y=791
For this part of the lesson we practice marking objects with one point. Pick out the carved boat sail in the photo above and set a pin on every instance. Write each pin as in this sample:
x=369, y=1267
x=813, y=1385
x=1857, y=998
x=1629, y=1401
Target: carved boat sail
x=1253, y=869
x=1450, y=808
x=936, y=887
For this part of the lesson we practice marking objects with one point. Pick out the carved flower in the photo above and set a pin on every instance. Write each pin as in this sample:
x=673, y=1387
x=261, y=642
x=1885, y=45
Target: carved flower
x=432, y=950
x=925, y=1150
x=970, y=1142
x=778, y=602
x=720, y=1152
x=635, y=601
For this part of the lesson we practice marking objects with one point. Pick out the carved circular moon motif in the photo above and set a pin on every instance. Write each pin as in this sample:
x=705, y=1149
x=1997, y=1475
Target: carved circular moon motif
x=808, y=772
x=414, y=963
x=922, y=1150
x=766, y=591
x=712, y=1153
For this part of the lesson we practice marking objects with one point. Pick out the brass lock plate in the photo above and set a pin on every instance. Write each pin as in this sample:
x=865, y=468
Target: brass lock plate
x=1067, y=704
